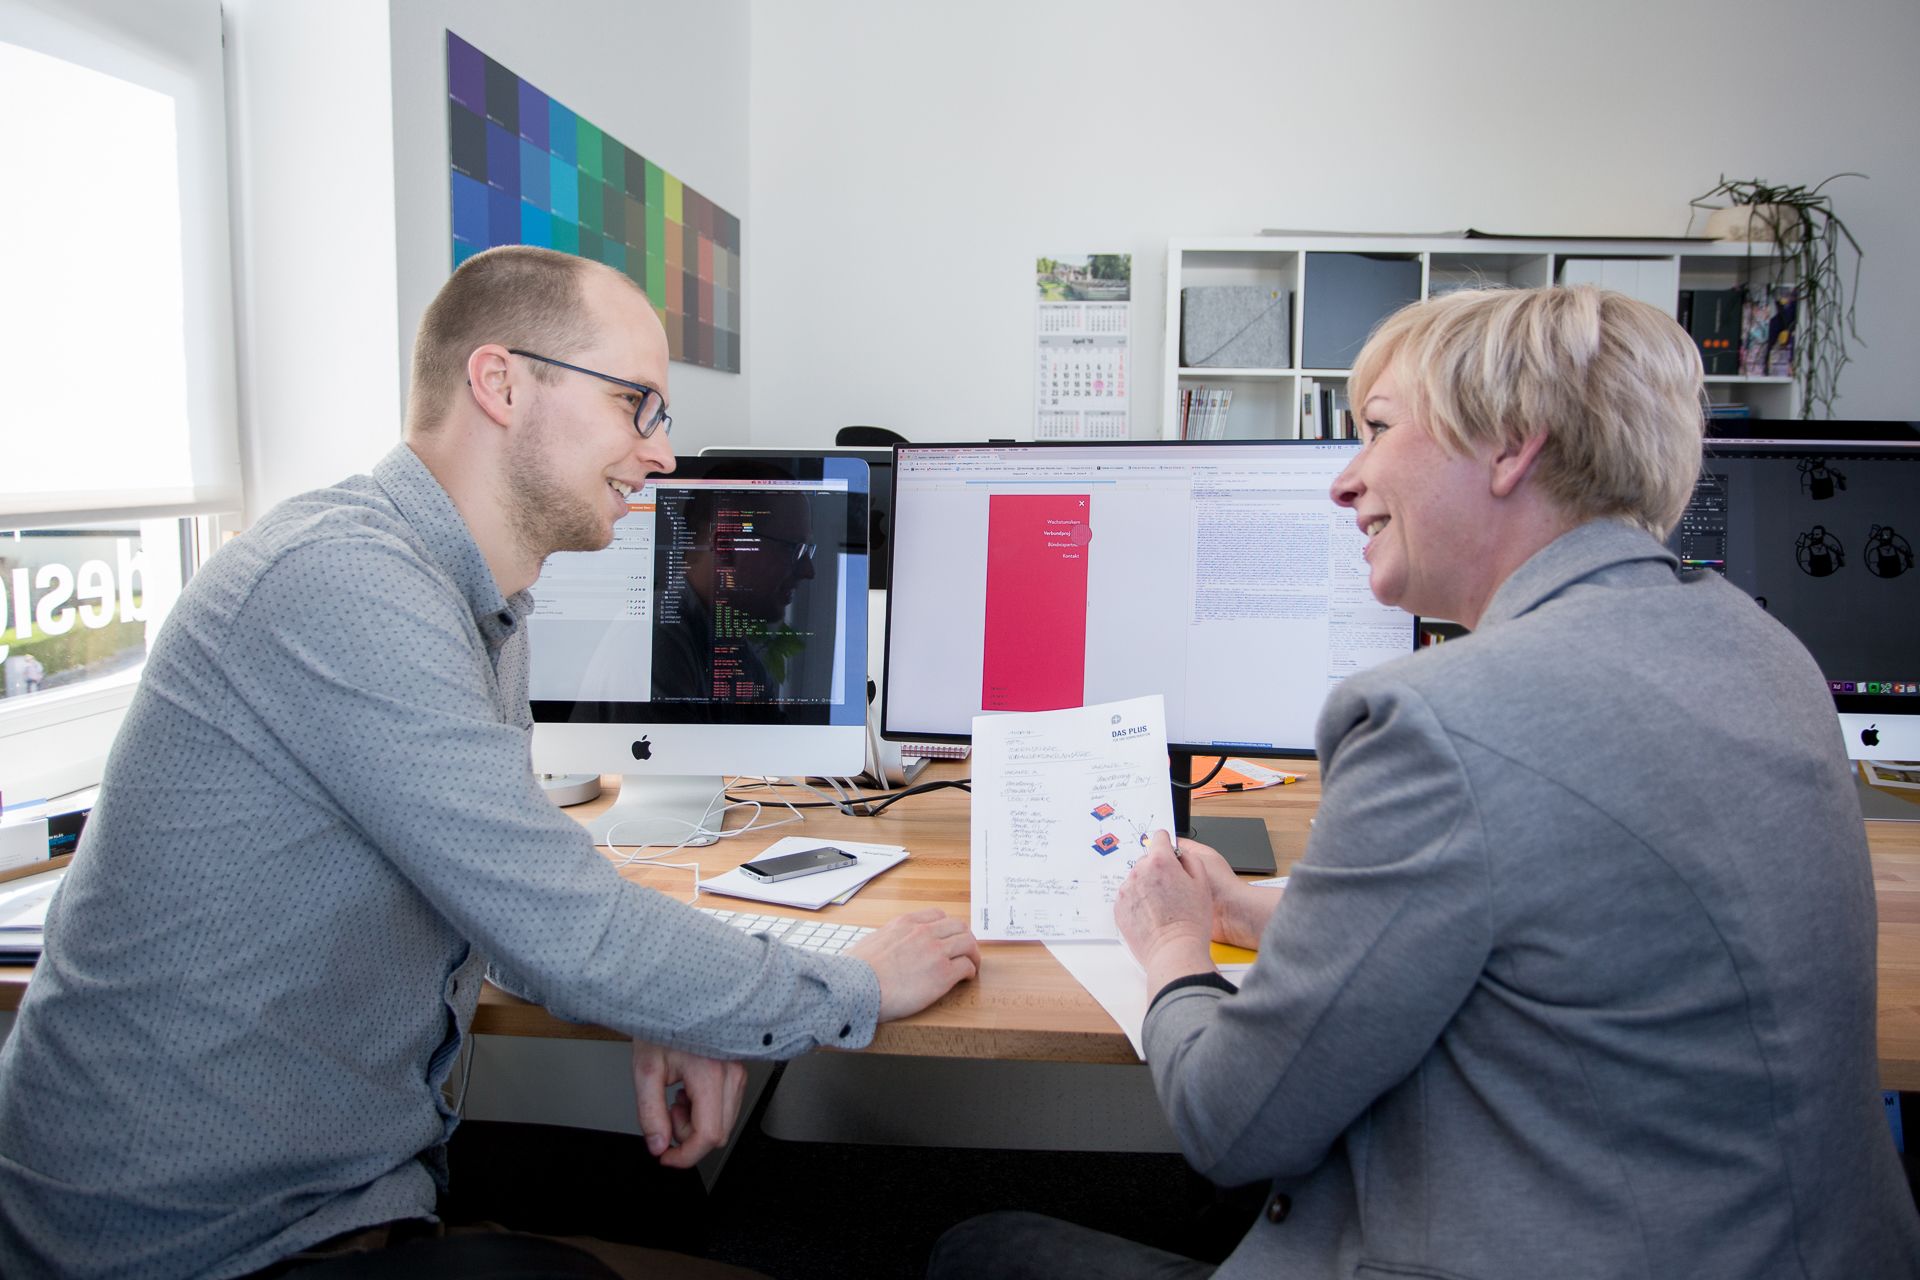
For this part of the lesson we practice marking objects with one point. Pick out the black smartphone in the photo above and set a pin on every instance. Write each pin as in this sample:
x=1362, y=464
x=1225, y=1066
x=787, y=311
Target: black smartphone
x=804, y=863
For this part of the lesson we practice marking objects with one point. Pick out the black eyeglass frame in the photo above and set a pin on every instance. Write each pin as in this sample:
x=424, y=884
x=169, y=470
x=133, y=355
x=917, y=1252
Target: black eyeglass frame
x=661, y=420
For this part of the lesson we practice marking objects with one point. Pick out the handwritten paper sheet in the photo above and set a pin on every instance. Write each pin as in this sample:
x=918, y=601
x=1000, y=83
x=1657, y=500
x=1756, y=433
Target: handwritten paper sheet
x=1063, y=805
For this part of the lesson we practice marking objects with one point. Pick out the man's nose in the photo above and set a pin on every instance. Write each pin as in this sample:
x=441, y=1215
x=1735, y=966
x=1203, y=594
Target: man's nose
x=656, y=453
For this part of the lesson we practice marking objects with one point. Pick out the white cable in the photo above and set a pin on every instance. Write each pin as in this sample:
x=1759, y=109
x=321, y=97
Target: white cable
x=698, y=831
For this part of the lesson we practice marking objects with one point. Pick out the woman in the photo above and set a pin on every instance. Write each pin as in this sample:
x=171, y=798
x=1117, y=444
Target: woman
x=1576, y=977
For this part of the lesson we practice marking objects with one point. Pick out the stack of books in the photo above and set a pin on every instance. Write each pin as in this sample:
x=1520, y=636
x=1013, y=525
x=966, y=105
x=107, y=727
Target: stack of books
x=1324, y=412
x=1203, y=412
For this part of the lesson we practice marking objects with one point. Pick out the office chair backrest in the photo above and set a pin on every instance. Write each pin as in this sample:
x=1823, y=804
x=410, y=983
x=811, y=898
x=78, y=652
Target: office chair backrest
x=867, y=438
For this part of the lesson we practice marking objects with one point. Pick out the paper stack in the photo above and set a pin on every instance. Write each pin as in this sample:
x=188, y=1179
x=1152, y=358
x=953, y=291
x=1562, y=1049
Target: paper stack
x=815, y=891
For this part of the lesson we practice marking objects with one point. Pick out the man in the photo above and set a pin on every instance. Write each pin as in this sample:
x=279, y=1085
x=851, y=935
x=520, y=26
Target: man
x=319, y=823
x=1576, y=977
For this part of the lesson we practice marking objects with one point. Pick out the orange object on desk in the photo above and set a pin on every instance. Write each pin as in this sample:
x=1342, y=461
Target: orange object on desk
x=1237, y=775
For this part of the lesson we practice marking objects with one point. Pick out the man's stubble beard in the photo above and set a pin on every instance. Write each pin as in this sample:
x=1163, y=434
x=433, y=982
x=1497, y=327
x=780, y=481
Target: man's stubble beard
x=545, y=515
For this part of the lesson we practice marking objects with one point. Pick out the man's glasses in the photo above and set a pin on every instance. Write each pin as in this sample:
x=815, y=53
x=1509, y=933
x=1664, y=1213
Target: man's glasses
x=649, y=413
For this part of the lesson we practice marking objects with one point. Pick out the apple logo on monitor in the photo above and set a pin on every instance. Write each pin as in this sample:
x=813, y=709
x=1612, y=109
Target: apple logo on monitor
x=1870, y=736
x=643, y=750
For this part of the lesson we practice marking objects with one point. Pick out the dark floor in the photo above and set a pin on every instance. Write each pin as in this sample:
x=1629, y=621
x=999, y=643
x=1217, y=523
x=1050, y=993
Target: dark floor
x=803, y=1210
x=800, y=1211
x=796, y=1211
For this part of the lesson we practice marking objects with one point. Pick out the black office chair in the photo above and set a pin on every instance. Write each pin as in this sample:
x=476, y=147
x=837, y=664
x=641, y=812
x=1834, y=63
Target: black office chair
x=867, y=438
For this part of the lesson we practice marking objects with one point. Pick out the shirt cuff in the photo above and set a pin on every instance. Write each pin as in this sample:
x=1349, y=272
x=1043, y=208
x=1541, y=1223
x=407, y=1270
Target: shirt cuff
x=1213, y=980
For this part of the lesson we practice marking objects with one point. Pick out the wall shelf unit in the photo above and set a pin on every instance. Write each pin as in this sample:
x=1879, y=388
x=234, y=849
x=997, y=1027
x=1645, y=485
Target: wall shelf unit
x=1267, y=403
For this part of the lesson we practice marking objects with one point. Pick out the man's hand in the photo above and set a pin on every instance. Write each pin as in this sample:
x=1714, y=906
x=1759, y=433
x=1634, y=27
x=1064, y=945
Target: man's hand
x=918, y=958
x=696, y=1122
x=1165, y=914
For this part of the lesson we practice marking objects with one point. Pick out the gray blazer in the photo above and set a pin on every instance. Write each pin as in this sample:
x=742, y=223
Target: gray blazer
x=1576, y=978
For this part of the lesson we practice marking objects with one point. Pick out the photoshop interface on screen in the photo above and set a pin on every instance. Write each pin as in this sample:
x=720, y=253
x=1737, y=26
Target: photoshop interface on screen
x=1701, y=538
x=1821, y=540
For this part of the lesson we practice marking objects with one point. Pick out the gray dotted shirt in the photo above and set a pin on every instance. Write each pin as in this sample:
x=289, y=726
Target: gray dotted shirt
x=318, y=821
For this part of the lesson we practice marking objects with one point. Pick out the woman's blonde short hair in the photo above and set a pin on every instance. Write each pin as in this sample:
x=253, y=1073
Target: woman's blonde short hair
x=1614, y=383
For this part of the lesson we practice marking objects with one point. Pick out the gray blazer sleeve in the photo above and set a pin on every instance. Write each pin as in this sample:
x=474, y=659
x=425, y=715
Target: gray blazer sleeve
x=1384, y=930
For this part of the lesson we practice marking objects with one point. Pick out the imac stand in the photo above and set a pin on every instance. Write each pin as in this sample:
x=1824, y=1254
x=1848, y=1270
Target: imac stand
x=1243, y=842
x=665, y=810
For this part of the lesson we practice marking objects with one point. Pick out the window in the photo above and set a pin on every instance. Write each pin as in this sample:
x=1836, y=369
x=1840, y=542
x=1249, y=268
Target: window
x=119, y=435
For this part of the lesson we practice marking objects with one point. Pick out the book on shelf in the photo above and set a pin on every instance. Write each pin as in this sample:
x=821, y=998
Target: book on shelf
x=1324, y=411
x=1203, y=412
x=1766, y=330
x=1712, y=317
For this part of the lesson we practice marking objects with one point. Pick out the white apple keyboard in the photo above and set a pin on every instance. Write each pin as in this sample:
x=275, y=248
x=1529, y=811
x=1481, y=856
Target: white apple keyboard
x=808, y=935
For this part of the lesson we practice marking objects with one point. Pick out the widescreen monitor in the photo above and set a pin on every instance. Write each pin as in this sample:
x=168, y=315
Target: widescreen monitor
x=1822, y=534
x=1219, y=574
x=724, y=631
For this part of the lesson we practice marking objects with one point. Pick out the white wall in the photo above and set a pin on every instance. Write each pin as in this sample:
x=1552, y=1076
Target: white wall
x=311, y=142
x=341, y=193
x=910, y=161
x=666, y=77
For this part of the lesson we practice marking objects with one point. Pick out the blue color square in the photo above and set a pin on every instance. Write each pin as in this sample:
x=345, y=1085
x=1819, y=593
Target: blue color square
x=563, y=136
x=466, y=75
x=563, y=188
x=533, y=115
x=566, y=236
x=503, y=160
x=462, y=251
x=467, y=142
x=536, y=225
x=503, y=217
x=533, y=174
x=469, y=210
x=613, y=253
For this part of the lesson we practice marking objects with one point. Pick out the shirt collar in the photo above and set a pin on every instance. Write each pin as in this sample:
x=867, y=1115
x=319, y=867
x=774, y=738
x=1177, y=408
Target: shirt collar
x=449, y=543
x=1578, y=554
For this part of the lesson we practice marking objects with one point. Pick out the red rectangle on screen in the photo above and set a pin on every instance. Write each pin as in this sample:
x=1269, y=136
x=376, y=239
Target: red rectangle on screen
x=1035, y=655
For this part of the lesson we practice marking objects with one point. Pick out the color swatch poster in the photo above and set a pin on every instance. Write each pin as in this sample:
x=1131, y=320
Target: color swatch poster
x=528, y=170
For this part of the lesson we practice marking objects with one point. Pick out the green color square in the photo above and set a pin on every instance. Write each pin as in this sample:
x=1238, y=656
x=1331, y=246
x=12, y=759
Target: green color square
x=566, y=235
x=656, y=277
x=590, y=198
x=636, y=225
x=656, y=192
x=590, y=146
x=613, y=164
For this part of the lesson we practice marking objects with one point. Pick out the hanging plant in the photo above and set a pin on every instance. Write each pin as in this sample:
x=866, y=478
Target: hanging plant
x=1801, y=221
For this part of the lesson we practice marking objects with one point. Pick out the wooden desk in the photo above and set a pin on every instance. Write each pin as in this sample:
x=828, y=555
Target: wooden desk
x=1024, y=1005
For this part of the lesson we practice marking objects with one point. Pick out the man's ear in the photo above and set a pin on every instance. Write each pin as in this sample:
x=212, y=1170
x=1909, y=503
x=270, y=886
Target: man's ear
x=490, y=378
x=1512, y=463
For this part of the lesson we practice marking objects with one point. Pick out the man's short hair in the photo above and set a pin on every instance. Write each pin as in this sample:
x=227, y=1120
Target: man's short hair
x=1616, y=384
x=516, y=295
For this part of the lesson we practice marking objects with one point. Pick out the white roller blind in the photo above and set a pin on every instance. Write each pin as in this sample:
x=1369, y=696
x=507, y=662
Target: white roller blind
x=116, y=313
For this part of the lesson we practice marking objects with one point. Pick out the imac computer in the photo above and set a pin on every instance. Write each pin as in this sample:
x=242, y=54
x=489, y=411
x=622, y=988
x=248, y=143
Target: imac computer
x=724, y=631
x=1219, y=574
x=1822, y=534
